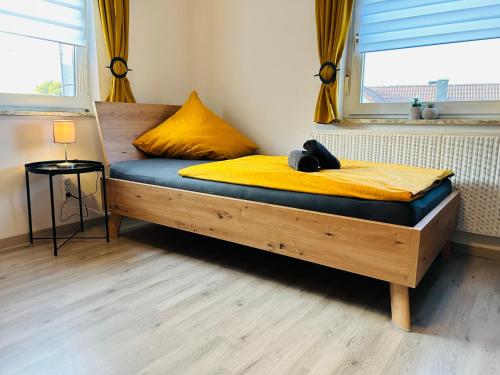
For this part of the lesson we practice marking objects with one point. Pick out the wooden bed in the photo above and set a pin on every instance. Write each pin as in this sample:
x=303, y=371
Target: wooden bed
x=397, y=254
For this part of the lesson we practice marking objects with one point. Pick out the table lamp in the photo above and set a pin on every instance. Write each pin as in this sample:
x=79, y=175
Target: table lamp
x=64, y=132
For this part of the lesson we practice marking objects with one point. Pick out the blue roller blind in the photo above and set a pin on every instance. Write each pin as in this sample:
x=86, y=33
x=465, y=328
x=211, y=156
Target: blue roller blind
x=55, y=20
x=393, y=24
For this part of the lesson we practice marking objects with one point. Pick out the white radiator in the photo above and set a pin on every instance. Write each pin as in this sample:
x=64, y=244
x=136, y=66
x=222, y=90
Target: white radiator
x=474, y=159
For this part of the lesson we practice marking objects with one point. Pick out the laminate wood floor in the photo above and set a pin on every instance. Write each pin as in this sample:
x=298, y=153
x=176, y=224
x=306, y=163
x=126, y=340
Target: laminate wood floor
x=160, y=301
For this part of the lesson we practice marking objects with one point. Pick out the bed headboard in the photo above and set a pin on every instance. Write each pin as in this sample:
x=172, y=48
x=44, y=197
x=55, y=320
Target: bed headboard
x=120, y=123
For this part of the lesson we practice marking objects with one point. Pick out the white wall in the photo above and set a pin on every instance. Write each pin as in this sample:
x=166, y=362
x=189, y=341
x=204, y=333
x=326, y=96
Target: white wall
x=159, y=50
x=253, y=62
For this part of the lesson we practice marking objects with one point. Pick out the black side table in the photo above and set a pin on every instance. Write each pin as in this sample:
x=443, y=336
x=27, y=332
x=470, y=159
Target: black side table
x=50, y=168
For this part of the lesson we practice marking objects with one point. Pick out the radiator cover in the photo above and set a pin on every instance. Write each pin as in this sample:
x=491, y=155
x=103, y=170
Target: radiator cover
x=475, y=159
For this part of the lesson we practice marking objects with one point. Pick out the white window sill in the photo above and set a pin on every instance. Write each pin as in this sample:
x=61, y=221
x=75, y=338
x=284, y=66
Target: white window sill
x=45, y=113
x=401, y=121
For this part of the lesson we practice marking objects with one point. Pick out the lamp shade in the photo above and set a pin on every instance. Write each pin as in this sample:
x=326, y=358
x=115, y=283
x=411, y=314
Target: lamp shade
x=64, y=131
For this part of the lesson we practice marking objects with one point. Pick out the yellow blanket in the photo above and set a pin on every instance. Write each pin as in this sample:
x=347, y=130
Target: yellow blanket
x=357, y=179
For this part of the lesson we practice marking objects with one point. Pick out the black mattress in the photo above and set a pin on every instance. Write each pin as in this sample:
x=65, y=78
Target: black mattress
x=163, y=172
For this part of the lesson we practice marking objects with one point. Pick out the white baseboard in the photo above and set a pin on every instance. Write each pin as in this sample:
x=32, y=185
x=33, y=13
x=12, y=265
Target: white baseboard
x=476, y=244
x=23, y=239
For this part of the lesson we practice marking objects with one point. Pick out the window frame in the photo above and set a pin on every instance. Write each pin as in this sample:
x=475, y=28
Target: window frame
x=353, y=80
x=51, y=103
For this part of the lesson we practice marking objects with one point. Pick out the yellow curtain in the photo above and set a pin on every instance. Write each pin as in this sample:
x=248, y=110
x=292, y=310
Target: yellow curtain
x=332, y=25
x=114, y=20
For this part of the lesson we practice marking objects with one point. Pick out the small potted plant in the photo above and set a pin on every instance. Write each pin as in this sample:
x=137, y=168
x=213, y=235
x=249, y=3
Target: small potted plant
x=415, y=109
x=430, y=112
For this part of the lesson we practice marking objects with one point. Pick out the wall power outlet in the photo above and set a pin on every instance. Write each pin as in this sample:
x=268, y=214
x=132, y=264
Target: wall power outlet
x=66, y=187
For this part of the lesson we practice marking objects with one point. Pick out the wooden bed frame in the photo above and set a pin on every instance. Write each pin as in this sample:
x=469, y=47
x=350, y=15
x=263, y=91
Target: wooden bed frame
x=397, y=254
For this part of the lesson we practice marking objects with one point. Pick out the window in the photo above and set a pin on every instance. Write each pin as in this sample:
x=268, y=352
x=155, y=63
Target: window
x=43, y=55
x=433, y=73
x=440, y=51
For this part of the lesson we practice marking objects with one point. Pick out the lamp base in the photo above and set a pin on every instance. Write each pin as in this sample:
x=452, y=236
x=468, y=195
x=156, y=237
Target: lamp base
x=66, y=165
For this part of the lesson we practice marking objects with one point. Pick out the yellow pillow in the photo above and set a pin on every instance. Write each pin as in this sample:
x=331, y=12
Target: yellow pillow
x=195, y=132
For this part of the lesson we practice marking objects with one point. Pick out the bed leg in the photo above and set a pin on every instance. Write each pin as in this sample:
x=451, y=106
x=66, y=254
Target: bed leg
x=115, y=221
x=446, y=251
x=400, y=306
